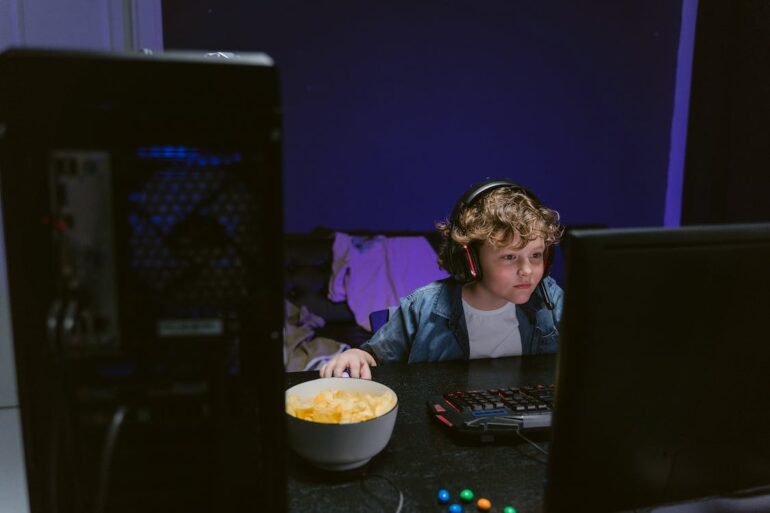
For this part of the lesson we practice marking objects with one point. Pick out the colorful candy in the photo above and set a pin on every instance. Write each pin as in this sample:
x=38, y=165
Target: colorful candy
x=467, y=495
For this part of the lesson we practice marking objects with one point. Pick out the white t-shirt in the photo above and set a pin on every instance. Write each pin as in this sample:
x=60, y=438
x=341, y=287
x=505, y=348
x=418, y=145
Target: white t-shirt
x=493, y=333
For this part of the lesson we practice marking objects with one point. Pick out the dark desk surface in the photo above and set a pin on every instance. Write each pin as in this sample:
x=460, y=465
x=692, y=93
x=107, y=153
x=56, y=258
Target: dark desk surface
x=421, y=458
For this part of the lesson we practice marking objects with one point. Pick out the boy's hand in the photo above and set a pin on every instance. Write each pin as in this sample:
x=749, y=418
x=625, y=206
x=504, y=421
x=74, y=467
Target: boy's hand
x=355, y=361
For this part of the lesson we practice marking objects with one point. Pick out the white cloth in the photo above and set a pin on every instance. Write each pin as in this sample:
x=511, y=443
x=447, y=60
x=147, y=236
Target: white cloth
x=493, y=333
x=373, y=273
x=302, y=350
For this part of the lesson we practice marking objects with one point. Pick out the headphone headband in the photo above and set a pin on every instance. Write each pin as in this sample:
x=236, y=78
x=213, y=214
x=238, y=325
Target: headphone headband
x=478, y=190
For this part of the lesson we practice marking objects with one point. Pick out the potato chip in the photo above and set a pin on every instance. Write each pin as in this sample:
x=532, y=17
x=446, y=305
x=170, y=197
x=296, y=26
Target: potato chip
x=340, y=406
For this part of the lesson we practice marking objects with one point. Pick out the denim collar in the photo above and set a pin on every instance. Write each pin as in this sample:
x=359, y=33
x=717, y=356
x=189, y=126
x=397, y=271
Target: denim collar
x=448, y=305
x=448, y=302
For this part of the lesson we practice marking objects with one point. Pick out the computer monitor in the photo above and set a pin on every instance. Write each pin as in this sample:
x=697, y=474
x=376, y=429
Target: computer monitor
x=663, y=388
x=142, y=210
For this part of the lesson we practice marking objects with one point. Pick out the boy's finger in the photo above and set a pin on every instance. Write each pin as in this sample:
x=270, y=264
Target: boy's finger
x=340, y=367
x=366, y=372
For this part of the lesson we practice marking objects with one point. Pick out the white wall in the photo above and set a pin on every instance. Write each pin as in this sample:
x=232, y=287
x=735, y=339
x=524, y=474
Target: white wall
x=110, y=25
x=82, y=24
x=8, y=395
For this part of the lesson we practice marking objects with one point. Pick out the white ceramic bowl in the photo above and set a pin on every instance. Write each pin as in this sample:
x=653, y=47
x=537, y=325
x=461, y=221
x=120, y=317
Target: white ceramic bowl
x=340, y=446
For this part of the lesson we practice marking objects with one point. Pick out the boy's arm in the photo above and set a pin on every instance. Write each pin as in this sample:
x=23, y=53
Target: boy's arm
x=391, y=343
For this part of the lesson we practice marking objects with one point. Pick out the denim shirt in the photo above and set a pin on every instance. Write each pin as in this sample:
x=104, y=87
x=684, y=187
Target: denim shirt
x=429, y=325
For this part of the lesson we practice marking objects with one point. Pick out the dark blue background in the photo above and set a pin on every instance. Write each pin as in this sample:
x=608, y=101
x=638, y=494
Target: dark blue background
x=391, y=109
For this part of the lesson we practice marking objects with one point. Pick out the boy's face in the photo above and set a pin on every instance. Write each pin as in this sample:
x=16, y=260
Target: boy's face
x=510, y=274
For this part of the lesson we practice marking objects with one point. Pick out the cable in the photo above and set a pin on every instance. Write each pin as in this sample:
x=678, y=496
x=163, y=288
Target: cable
x=391, y=483
x=530, y=442
x=109, y=447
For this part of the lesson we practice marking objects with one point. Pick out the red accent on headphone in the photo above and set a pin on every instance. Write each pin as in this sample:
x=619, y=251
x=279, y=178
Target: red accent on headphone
x=474, y=272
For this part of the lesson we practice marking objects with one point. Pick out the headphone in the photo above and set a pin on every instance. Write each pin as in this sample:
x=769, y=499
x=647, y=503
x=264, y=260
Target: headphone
x=464, y=262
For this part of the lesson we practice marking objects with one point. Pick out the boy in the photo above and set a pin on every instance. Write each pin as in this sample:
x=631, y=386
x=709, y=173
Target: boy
x=499, y=300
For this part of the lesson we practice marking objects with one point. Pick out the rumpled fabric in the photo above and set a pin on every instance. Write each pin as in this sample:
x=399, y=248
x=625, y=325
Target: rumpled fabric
x=373, y=273
x=302, y=350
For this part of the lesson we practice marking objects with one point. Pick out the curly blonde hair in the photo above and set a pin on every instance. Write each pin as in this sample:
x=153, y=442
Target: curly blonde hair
x=498, y=217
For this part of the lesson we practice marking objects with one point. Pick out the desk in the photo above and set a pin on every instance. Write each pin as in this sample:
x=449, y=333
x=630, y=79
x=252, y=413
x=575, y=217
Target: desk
x=421, y=458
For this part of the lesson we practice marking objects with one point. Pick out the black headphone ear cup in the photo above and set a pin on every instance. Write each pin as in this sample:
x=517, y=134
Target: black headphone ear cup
x=464, y=262
x=457, y=264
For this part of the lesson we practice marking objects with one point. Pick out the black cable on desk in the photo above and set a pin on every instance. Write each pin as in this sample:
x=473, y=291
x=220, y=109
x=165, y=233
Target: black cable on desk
x=365, y=476
x=530, y=442
x=106, y=463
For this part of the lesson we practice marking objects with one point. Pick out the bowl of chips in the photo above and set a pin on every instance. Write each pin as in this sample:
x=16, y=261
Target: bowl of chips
x=340, y=423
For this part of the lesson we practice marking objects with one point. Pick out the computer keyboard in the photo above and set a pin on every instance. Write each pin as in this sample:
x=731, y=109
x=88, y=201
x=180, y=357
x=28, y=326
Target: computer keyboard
x=496, y=412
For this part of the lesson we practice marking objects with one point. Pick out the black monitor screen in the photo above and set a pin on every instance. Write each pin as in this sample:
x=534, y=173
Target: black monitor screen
x=663, y=382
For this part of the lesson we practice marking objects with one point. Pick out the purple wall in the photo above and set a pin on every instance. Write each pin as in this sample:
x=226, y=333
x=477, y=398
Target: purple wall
x=393, y=108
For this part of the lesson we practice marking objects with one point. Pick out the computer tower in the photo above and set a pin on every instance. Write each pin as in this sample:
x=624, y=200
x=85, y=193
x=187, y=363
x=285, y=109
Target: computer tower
x=142, y=206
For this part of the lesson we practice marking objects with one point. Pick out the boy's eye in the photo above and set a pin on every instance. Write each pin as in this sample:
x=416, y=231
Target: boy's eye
x=509, y=257
x=537, y=255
